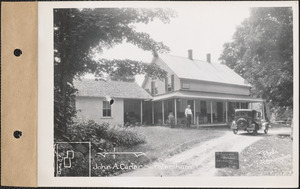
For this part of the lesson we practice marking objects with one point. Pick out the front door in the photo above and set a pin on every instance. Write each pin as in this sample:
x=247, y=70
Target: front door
x=220, y=112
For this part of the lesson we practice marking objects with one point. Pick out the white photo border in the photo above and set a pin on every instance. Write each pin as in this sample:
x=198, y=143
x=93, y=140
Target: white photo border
x=46, y=112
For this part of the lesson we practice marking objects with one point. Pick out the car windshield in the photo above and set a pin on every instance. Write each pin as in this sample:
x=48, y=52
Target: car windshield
x=243, y=114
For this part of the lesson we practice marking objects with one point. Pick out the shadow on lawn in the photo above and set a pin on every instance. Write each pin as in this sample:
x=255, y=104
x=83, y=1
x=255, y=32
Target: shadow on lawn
x=219, y=128
x=284, y=135
x=251, y=134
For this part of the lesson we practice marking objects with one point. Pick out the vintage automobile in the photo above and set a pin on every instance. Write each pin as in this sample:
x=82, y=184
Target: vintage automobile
x=250, y=121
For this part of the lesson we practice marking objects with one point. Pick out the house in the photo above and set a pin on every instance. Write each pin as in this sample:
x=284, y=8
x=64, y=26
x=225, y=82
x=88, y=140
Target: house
x=93, y=101
x=212, y=90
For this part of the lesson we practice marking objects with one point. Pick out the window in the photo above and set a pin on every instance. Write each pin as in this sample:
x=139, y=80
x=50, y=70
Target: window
x=154, y=87
x=185, y=85
x=106, y=109
x=169, y=82
x=237, y=105
x=247, y=114
x=244, y=105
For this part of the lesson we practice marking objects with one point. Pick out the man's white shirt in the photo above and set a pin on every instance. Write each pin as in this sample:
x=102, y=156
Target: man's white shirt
x=188, y=111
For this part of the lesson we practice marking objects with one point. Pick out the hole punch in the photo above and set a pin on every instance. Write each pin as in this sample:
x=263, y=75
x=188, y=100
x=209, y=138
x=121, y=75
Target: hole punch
x=17, y=134
x=17, y=52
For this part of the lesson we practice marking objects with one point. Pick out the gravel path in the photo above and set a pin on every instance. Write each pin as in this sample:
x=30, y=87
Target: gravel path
x=200, y=160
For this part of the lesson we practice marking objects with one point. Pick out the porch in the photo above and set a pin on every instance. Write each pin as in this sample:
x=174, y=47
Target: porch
x=212, y=109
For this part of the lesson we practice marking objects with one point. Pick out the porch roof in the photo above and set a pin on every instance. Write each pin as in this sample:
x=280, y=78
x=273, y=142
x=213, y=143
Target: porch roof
x=206, y=95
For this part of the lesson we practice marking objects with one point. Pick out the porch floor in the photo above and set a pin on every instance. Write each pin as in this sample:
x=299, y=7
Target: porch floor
x=210, y=125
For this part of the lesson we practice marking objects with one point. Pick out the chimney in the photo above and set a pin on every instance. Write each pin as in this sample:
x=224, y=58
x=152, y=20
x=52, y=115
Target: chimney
x=208, y=58
x=190, y=54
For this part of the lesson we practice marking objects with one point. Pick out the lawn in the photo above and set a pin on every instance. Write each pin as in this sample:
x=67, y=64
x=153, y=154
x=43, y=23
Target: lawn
x=161, y=142
x=271, y=156
x=164, y=141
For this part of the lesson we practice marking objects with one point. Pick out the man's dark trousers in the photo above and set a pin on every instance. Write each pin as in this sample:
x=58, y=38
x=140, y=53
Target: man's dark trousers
x=189, y=119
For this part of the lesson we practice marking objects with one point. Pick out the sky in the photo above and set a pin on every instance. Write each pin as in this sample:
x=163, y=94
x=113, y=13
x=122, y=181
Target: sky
x=204, y=28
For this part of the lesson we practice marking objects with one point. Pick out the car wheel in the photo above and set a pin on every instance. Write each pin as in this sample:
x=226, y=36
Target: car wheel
x=235, y=131
x=266, y=130
x=255, y=132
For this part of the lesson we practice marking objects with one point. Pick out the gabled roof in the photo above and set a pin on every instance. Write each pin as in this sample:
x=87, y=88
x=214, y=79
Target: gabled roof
x=113, y=89
x=185, y=68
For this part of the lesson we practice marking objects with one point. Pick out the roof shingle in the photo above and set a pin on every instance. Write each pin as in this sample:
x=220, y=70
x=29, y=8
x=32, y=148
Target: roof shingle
x=201, y=70
x=113, y=89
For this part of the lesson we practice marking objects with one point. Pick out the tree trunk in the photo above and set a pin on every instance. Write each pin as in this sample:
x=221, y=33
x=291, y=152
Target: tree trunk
x=65, y=78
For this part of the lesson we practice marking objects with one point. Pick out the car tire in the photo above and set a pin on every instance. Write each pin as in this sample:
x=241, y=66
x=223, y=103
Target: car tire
x=255, y=132
x=266, y=130
x=241, y=122
x=235, y=131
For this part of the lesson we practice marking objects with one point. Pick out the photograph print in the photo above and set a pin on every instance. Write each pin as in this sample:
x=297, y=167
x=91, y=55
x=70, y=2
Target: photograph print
x=203, y=90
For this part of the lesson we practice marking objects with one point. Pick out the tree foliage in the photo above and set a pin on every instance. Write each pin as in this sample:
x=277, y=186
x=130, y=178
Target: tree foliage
x=125, y=70
x=262, y=53
x=81, y=33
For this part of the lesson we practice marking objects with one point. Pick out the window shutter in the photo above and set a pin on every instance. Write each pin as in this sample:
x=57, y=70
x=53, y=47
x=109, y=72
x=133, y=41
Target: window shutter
x=152, y=87
x=172, y=82
x=166, y=84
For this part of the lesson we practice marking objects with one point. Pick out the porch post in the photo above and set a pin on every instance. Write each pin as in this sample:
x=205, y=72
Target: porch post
x=152, y=104
x=250, y=105
x=240, y=105
x=163, y=112
x=263, y=110
x=211, y=113
x=226, y=111
x=194, y=112
x=175, y=111
x=141, y=112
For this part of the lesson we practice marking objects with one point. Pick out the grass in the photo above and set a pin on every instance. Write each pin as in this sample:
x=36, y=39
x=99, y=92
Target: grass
x=277, y=125
x=162, y=142
x=271, y=156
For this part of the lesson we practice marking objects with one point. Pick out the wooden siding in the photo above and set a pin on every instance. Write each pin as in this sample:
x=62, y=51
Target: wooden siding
x=214, y=87
x=90, y=108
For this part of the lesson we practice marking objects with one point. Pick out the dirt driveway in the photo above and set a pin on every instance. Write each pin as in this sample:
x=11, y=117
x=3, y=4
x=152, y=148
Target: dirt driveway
x=200, y=160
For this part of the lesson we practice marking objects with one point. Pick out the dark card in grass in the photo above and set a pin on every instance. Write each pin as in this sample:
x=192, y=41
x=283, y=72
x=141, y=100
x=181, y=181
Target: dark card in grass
x=227, y=159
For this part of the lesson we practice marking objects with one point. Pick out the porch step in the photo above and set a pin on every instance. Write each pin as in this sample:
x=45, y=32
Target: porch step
x=210, y=125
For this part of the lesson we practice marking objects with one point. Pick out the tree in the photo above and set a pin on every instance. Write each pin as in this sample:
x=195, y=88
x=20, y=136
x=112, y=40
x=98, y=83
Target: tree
x=115, y=77
x=81, y=33
x=262, y=53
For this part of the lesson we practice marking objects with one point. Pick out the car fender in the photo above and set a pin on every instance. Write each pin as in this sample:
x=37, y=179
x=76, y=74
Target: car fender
x=264, y=125
x=233, y=125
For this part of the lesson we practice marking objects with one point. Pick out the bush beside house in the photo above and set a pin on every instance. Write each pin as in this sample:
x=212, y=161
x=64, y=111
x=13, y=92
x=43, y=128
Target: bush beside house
x=103, y=138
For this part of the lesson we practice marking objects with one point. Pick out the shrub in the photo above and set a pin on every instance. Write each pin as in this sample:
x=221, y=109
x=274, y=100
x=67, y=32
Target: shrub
x=124, y=136
x=97, y=133
x=102, y=137
x=87, y=131
x=79, y=164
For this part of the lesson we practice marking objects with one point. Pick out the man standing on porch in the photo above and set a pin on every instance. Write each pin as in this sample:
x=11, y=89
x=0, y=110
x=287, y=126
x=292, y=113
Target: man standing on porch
x=188, y=115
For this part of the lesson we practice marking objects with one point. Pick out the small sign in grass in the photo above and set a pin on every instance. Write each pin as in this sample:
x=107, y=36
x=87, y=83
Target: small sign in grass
x=227, y=159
